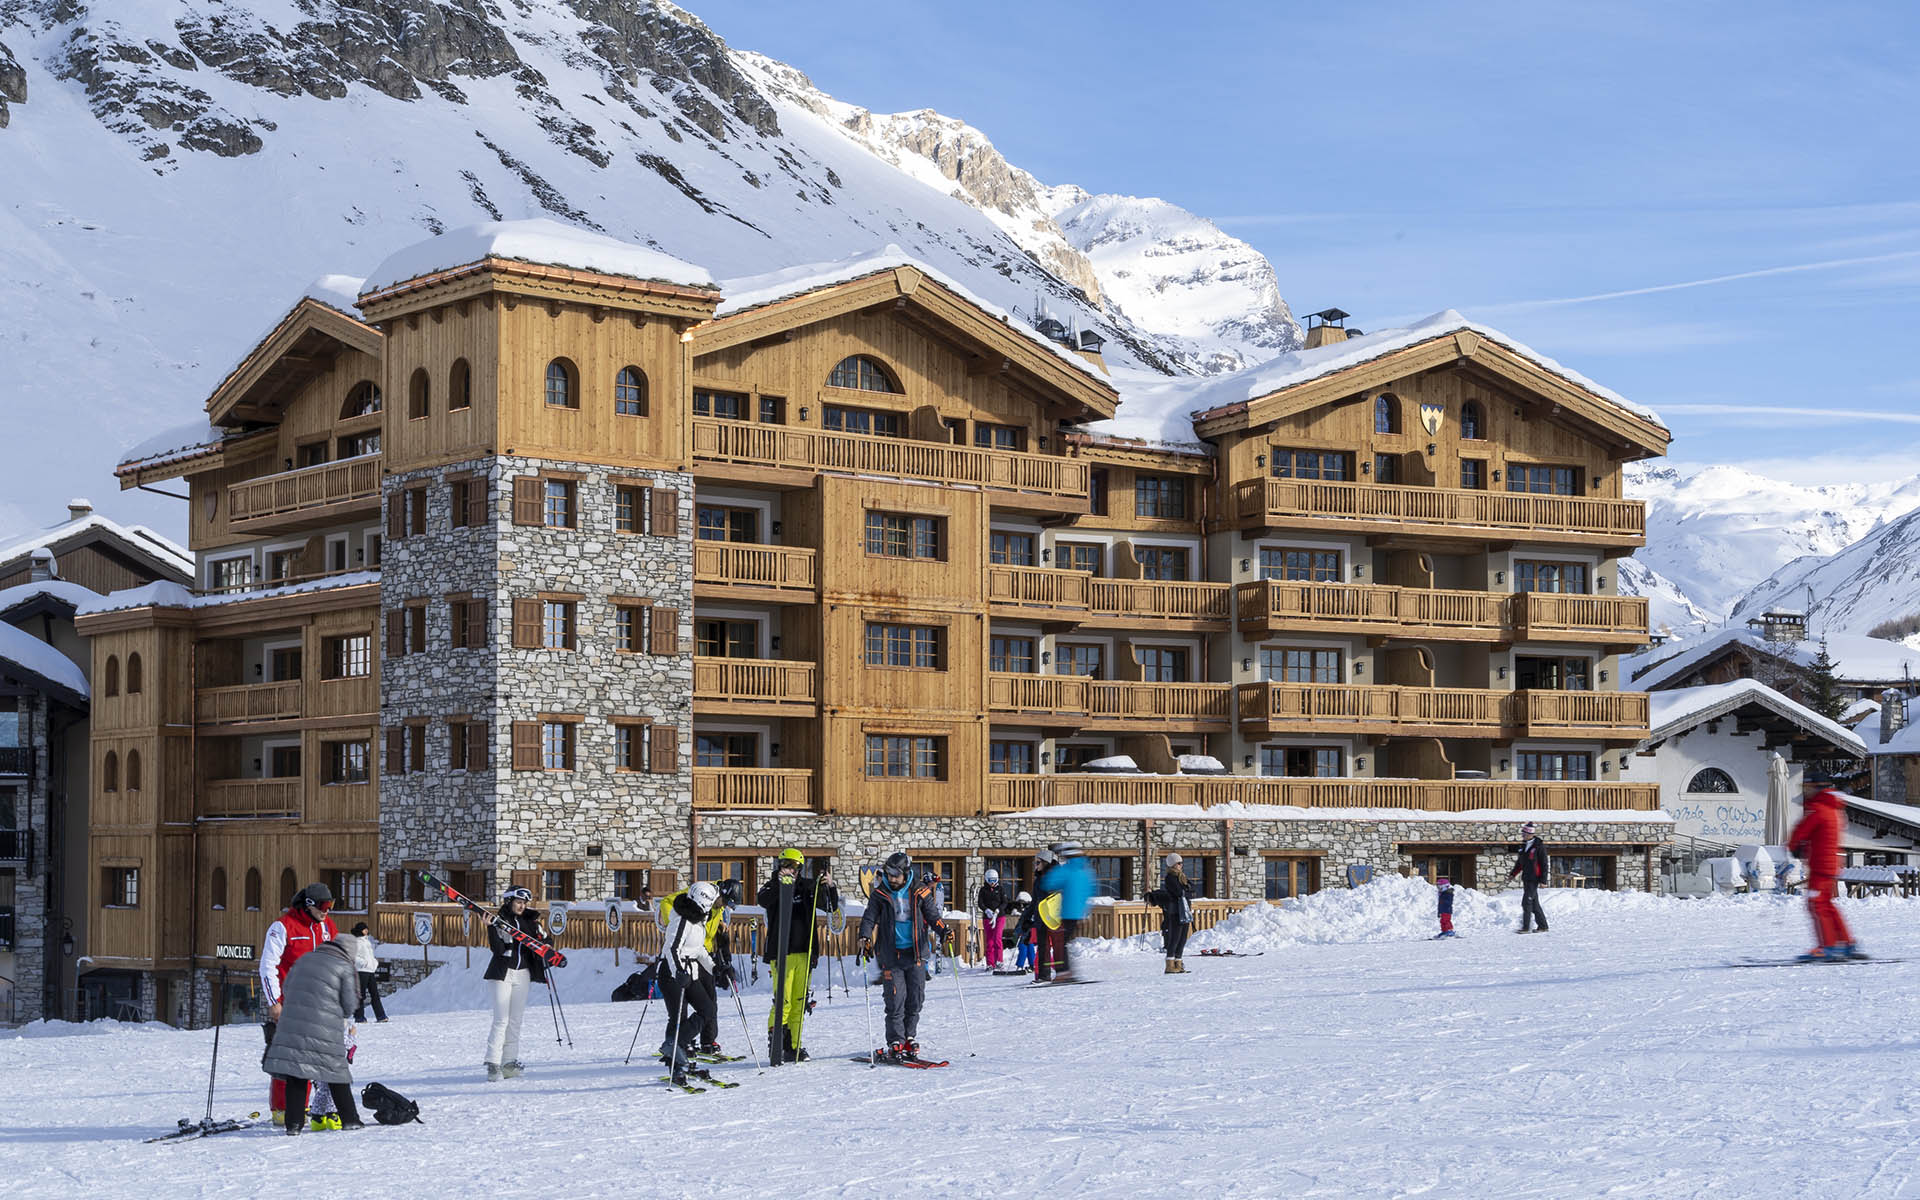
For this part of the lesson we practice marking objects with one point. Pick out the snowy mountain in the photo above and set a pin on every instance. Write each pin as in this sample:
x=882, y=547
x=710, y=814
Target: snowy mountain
x=1871, y=584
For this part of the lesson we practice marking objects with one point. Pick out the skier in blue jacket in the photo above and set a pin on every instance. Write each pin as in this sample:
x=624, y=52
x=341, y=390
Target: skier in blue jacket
x=1073, y=878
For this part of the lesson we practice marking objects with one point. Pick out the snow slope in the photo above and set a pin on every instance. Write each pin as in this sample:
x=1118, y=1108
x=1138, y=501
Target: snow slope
x=1873, y=581
x=1613, y=1056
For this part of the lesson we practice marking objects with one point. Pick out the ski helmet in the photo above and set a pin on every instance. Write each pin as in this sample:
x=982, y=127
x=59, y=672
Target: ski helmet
x=1023, y=898
x=1068, y=849
x=790, y=855
x=518, y=893
x=899, y=863
x=1043, y=858
x=993, y=876
x=703, y=895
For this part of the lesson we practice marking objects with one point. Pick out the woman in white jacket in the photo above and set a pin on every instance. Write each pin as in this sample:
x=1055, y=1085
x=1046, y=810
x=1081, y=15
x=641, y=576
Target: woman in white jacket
x=683, y=959
x=367, y=965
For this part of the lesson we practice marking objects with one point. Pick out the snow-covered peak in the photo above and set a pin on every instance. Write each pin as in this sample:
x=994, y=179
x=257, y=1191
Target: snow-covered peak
x=539, y=240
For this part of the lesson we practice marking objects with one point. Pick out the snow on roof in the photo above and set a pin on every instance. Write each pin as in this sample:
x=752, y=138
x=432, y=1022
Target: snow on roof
x=341, y=292
x=172, y=595
x=1905, y=740
x=537, y=240
x=1857, y=710
x=1898, y=812
x=21, y=648
x=140, y=537
x=1286, y=812
x=757, y=291
x=1856, y=657
x=60, y=589
x=189, y=440
x=1678, y=709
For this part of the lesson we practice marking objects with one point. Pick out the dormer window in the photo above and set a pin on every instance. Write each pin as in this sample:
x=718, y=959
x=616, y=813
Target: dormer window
x=863, y=374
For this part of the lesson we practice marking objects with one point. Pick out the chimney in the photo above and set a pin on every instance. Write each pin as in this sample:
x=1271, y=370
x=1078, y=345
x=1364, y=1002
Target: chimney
x=1089, y=349
x=1331, y=328
x=1893, y=714
x=42, y=569
x=79, y=510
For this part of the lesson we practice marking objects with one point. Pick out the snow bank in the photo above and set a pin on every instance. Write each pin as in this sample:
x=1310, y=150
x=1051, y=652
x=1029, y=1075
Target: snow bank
x=538, y=240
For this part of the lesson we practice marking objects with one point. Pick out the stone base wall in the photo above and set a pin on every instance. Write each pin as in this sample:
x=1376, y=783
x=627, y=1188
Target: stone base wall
x=32, y=914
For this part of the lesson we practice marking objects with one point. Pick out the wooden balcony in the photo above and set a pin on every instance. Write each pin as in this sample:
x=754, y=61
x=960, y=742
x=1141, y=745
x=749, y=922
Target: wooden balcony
x=1023, y=793
x=752, y=787
x=248, y=704
x=1351, y=608
x=749, y=571
x=1395, y=711
x=1371, y=508
x=788, y=454
x=1038, y=593
x=1616, y=716
x=1556, y=617
x=1074, y=701
x=754, y=685
x=250, y=798
x=1161, y=604
x=308, y=497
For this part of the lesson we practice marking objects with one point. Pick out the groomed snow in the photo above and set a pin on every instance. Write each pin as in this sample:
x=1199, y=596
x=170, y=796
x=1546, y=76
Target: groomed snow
x=1611, y=1057
x=535, y=240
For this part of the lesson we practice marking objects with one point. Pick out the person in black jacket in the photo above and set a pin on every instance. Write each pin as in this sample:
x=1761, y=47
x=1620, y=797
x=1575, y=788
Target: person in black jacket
x=792, y=931
x=1531, y=867
x=994, y=902
x=900, y=929
x=512, y=973
x=1176, y=915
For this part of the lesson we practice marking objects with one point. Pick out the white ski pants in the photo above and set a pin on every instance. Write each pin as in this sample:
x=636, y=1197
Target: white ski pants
x=509, y=1005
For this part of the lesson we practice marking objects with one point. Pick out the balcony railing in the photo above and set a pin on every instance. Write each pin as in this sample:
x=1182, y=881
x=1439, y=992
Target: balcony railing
x=754, y=681
x=262, y=583
x=1616, y=714
x=747, y=564
x=1161, y=600
x=1040, y=475
x=246, y=703
x=278, y=495
x=1086, y=702
x=1353, y=708
x=752, y=787
x=1442, y=511
x=16, y=760
x=1043, y=591
x=1363, y=608
x=250, y=798
x=1023, y=793
x=1555, y=616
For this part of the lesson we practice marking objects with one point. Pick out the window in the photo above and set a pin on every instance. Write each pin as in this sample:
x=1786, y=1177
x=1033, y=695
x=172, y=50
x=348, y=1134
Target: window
x=863, y=374
x=217, y=890
x=1452, y=867
x=349, y=890
x=629, y=503
x=1532, y=576
x=1473, y=474
x=467, y=503
x=419, y=395
x=1386, y=413
x=251, y=897
x=721, y=523
x=557, y=883
x=1161, y=562
x=1161, y=496
x=1301, y=762
x=1010, y=654
x=1112, y=875
x=359, y=445
x=1097, y=491
x=1712, y=779
x=281, y=563
x=133, y=770
x=349, y=656
x=726, y=750
x=630, y=393
x=1009, y=758
x=563, y=384
x=283, y=762
x=894, y=757
x=999, y=437
x=1582, y=870
x=874, y=421
x=773, y=410
x=556, y=624
x=1386, y=468
x=715, y=870
x=1010, y=549
x=363, y=400
x=112, y=685
x=289, y=884
x=912, y=646
x=1299, y=664
x=1472, y=421
x=120, y=887
x=1552, y=674
x=459, y=386
x=110, y=772
x=898, y=535
x=230, y=573
x=729, y=406
x=346, y=762
x=1071, y=756
x=726, y=639
x=1546, y=480
x=467, y=624
x=628, y=883
x=949, y=879
x=1291, y=877
x=1555, y=764
x=556, y=745
x=1081, y=556
x=629, y=628
x=1287, y=562
x=1078, y=659
x=312, y=454
x=559, y=508
x=416, y=747
x=135, y=678
x=1162, y=664
x=1333, y=465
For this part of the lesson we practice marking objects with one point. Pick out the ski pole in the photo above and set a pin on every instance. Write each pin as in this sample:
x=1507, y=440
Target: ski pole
x=866, y=990
x=746, y=1030
x=553, y=1012
x=636, y=1029
x=560, y=1010
x=962, y=992
x=214, y=1070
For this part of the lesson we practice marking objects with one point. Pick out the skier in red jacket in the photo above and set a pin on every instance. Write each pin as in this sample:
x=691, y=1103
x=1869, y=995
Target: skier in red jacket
x=303, y=926
x=1816, y=840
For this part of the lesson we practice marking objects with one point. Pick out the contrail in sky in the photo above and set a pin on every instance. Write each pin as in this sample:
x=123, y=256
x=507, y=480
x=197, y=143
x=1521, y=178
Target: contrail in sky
x=1828, y=264
x=1765, y=410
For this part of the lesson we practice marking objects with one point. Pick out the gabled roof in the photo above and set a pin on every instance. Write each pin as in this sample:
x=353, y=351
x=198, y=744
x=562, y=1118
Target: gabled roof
x=57, y=594
x=31, y=661
x=298, y=347
x=135, y=540
x=1676, y=711
x=1856, y=658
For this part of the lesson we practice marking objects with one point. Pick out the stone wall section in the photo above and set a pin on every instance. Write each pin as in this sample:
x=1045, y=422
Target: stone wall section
x=31, y=912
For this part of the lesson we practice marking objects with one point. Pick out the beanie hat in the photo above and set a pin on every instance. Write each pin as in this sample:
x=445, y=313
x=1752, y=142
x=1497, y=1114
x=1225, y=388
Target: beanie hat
x=315, y=893
x=1444, y=882
x=1527, y=829
x=1174, y=860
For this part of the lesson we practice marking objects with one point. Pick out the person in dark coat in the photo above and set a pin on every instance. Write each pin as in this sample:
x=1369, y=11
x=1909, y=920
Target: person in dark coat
x=994, y=901
x=309, y=1044
x=899, y=930
x=1445, y=887
x=1176, y=914
x=1531, y=868
x=793, y=979
x=1023, y=922
x=512, y=973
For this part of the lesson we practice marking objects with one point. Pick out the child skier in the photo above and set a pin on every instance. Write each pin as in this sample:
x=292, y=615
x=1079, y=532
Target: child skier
x=1446, y=907
x=1816, y=839
x=898, y=931
x=1023, y=932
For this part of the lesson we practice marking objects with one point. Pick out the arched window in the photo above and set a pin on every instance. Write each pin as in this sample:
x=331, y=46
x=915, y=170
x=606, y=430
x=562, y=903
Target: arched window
x=1711, y=779
x=1386, y=413
x=630, y=392
x=1473, y=421
x=563, y=384
x=253, y=889
x=419, y=395
x=864, y=374
x=289, y=884
x=460, y=386
x=217, y=890
x=113, y=675
x=110, y=773
x=363, y=400
x=135, y=678
x=133, y=770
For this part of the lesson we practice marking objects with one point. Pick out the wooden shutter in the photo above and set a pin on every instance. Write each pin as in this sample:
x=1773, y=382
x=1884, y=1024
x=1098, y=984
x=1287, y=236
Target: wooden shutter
x=396, y=751
x=663, y=883
x=663, y=631
x=663, y=749
x=456, y=745
x=666, y=512
x=529, y=500
x=476, y=745
x=457, y=624
x=396, y=633
x=529, y=880
x=476, y=618
x=477, y=501
x=417, y=629
x=526, y=746
x=394, y=887
x=526, y=624
x=396, y=516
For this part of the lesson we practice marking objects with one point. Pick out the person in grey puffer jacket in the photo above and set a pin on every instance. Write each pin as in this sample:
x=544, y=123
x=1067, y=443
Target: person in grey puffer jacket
x=309, y=1043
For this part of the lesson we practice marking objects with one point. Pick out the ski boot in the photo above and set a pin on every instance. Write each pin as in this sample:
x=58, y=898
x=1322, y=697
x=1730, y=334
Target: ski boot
x=296, y=1128
x=279, y=1116
x=493, y=1072
x=1818, y=954
x=513, y=1070
x=1843, y=951
x=317, y=1122
x=356, y=1123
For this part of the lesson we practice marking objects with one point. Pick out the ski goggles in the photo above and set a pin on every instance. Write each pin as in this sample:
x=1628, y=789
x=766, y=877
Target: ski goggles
x=519, y=894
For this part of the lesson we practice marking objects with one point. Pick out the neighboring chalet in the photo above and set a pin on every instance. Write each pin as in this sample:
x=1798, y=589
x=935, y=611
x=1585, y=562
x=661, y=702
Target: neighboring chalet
x=1778, y=652
x=561, y=564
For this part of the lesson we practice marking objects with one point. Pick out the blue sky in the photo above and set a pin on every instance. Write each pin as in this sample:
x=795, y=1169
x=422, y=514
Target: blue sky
x=1524, y=162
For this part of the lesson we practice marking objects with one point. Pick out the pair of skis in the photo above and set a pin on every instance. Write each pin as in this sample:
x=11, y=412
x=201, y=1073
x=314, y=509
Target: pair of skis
x=886, y=1060
x=539, y=949
x=706, y=1079
x=194, y=1130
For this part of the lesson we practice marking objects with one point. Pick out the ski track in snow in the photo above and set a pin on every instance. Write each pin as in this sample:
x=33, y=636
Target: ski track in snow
x=1611, y=1057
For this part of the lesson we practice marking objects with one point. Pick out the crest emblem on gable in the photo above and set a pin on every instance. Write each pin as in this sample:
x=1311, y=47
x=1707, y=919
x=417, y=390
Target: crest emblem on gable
x=1431, y=415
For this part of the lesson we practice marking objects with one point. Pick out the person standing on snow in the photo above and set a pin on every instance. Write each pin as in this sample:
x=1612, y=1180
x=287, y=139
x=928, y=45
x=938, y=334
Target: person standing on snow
x=366, y=964
x=898, y=931
x=512, y=972
x=703, y=1036
x=993, y=905
x=1024, y=955
x=792, y=931
x=309, y=1046
x=303, y=927
x=1816, y=839
x=1445, y=887
x=1531, y=867
x=1176, y=914
x=1072, y=877
x=684, y=962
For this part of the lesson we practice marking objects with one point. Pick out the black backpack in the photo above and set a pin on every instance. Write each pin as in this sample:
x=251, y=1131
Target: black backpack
x=388, y=1106
x=641, y=985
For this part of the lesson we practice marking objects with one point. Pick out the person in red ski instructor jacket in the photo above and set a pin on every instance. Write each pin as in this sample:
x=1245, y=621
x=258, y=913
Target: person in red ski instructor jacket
x=302, y=927
x=1816, y=840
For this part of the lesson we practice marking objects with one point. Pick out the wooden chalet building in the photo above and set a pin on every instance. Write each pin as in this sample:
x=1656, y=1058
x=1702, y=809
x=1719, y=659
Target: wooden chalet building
x=561, y=564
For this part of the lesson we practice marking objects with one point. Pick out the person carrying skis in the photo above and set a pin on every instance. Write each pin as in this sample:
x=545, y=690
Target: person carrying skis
x=309, y=1047
x=898, y=931
x=1176, y=914
x=791, y=950
x=1531, y=867
x=511, y=973
x=684, y=962
x=1072, y=877
x=1445, y=887
x=1816, y=840
x=304, y=926
x=993, y=905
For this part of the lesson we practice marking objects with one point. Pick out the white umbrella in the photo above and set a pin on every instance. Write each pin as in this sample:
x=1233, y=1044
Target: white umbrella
x=1777, y=799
